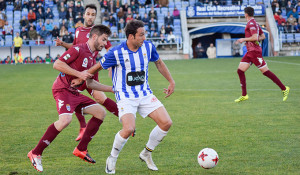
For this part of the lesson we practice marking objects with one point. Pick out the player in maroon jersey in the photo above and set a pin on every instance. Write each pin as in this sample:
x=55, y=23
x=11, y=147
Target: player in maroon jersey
x=254, y=34
x=74, y=63
x=81, y=36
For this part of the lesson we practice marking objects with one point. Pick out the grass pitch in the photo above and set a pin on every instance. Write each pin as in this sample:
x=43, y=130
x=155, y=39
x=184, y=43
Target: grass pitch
x=258, y=136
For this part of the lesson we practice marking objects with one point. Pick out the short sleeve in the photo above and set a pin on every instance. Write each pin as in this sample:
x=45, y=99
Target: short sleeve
x=253, y=28
x=70, y=55
x=108, y=60
x=75, y=37
x=154, y=55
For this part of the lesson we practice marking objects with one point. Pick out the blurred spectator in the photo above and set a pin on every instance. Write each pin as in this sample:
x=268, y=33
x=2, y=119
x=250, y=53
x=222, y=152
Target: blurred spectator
x=31, y=2
x=55, y=32
x=79, y=24
x=62, y=31
x=297, y=7
x=44, y=33
x=79, y=8
x=58, y=56
x=134, y=7
x=31, y=25
x=105, y=15
x=24, y=22
x=104, y=4
x=8, y=60
x=121, y=13
x=40, y=6
x=48, y=59
x=169, y=29
x=112, y=20
x=276, y=16
x=290, y=22
x=280, y=20
x=64, y=24
x=24, y=5
x=236, y=49
x=163, y=3
x=17, y=5
x=137, y=17
x=71, y=13
x=121, y=25
x=289, y=7
x=32, y=34
x=71, y=23
x=211, y=51
x=152, y=13
x=32, y=7
x=8, y=29
x=294, y=13
x=199, y=50
x=39, y=26
x=49, y=15
x=23, y=32
x=114, y=35
x=71, y=4
x=112, y=6
x=3, y=15
x=125, y=7
x=25, y=40
x=145, y=19
x=49, y=26
x=31, y=16
x=162, y=40
x=61, y=5
x=162, y=30
x=129, y=18
x=79, y=18
x=40, y=16
x=38, y=59
x=62, y=14
x=67, y=37
x=171, y=37
x=169, y=19
x=153, y=25
x=40, y=40
x=296, y=27
x=176, y=13
x=2, y=5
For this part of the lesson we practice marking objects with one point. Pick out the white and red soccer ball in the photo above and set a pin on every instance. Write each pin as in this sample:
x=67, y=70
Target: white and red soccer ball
x=208, y=158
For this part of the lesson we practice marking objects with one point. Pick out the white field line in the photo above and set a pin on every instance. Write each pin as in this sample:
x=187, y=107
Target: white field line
x=282, y=62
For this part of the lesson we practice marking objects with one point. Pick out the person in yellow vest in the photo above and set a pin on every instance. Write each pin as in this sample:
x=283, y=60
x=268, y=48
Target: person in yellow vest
x=17, y=45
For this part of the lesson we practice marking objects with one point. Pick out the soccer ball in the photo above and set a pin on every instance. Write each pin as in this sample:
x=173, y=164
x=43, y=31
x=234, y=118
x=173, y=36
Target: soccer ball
x=208, y=158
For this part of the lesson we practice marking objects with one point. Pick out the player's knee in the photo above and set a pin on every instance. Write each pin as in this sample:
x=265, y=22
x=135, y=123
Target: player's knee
x=99, y=100
x=100, y=114
x=64, y=121
x=168, y=124
x=129, y=130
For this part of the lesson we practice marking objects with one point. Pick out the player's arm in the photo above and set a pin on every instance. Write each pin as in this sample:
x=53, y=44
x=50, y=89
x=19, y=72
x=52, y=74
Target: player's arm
x=79, y=81
x=65, y=68
x=59, y=42
x=253, y=38
x=93, y=84
x=261, y=37
x=162, y=68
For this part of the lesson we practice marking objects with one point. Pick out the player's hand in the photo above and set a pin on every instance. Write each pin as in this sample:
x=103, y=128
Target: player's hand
x=84, y=75
x=170, y=89
x=76, y=82
x=239, y=40
x=58, y=42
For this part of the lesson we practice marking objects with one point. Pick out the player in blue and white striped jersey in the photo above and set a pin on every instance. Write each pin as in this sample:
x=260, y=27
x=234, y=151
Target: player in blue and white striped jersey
x=129, y=62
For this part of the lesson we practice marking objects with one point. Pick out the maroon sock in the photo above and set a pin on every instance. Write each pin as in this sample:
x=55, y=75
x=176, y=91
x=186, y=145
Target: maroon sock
x=242, y=81
x=111, y=106
x=80, y=118
x=91, y=130
x=275, y=79
x=45, y=141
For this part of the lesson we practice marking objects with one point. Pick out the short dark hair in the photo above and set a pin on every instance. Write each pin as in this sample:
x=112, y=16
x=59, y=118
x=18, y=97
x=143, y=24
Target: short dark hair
x=132, y=26
x=99, y=30
x=91, y=6
x=249, y=11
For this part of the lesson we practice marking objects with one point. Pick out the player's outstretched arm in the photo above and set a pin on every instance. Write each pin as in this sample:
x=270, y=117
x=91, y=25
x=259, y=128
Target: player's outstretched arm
x=162, y=68
x=65, y=68
x=92, y=84
x=253, y=38
x=96, y=68
x=59, y=42
x=77, y=82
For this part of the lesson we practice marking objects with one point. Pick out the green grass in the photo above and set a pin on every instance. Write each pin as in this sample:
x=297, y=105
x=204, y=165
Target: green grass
x=258, y=136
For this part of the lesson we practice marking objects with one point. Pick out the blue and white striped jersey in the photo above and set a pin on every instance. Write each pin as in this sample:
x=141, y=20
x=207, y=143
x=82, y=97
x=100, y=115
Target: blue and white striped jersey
x=124, y=61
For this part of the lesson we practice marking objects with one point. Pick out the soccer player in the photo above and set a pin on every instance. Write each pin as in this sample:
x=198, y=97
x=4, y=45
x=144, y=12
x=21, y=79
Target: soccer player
x=129, y=62
x=72, y=64
x=81, y=36
x=254, y=34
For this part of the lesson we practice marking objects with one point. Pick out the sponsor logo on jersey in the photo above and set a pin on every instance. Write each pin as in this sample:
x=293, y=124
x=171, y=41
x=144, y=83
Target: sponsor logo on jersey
x=85, y=62
x=60, y=104
x=66, y=57
x=252, y=28
x=77, y=48
x=251, y=23
x=68, y=107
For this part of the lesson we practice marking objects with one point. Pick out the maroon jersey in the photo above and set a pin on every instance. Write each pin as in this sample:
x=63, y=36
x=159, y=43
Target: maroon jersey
x=253, y=28
x=79, y=57
x=82, y=35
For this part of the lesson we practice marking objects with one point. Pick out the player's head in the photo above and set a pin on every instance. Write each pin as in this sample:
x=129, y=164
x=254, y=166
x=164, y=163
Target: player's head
x=89, y=15
x=99, y=36
x=249, y=11
x=135, y=32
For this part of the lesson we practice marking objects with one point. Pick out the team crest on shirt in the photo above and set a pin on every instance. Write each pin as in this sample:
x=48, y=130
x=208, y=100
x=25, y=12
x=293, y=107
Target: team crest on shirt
x=85, y=62
x=68, y=107
x=102, y=60
x=145, y=56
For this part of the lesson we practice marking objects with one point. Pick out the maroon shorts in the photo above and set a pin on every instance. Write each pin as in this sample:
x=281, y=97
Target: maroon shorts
x=83, y=86
x=67, y=101
x=255, y=58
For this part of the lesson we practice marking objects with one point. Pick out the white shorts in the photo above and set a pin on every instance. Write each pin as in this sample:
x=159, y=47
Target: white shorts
x=144, y=105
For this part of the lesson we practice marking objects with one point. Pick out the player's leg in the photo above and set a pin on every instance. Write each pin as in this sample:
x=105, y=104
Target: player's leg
x=91, y=129
x=53, y=130
x=243, y=67
x=164, y=122
x=128, y=122
x=108, y=103
x=82, y=123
